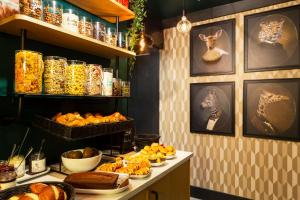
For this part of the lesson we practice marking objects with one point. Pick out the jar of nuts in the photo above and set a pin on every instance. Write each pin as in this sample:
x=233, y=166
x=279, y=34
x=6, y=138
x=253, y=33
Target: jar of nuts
x=54, y=75
x=70, y=20
x=94, y=79
x=29, y=69
x=111, y=36
x=75, y=74
x=53, y=12
x=32, y=8
x=85, y=26
x=99, y=30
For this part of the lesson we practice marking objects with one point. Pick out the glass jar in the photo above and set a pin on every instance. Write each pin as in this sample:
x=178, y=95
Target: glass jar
x=8, y=175
x=111, y=36
x=32, y=8
x=53, y=12
x=126, y=88
x=75, y=75
x=99, y=31
x=122, y=40
x=85, y=26
x=37, y=163
x=94, y=79
x=54, y=75
x=29, y=69
x=117, y=87
x=19, y=164
x=70, y=20
x=107, y=81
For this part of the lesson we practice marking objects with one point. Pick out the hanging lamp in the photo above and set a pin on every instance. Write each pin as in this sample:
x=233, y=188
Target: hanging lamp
x=184, y=25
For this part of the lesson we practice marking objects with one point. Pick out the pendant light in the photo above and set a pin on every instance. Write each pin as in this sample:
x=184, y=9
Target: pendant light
x=184, y=25
x=145, y=44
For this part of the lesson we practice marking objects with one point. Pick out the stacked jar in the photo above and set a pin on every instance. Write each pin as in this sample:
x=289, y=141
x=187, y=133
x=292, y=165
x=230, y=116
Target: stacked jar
x=70, y=20
x=94, y=79
x=32, y=8
x=75, y=82
x=29, y=69
x=53, y=12
x=54, y=76
x=85, y=26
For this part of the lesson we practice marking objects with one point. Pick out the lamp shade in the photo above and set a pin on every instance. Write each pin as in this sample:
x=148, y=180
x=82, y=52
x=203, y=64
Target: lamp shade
x=184, y=25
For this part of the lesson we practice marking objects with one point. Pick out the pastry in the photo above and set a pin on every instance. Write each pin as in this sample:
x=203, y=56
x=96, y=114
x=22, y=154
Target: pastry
x=37, y=187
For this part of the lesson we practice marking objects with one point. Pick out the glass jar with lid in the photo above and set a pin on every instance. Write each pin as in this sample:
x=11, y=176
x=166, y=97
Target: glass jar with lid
x=29, y=69
x=70, y=20
x=85, y=26
x=117, y=87
x=94, y=78
x=126, y=88
x=99, y=30
x=75, y=74
x=54, y=75
x=111, y=36
x=8, y=175
x=107, y=82
x=32, y=8
x=53, y=11
x=123, y=40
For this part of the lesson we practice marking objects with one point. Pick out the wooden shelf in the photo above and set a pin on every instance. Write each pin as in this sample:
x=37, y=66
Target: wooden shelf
x=48, y=33
x=50, y=96
x=106, y=9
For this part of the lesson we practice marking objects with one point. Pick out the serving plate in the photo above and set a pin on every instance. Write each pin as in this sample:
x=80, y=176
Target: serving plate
x=27, y=176
x=139, y=176
x=171, y=157
x=158, y=164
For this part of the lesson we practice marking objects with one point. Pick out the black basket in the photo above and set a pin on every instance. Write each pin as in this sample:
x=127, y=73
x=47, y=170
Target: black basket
x=76, y=133
x=142, y=140
x=6, y=194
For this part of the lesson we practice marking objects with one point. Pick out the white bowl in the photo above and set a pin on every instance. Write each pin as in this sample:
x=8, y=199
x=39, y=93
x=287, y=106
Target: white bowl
x=81, y=165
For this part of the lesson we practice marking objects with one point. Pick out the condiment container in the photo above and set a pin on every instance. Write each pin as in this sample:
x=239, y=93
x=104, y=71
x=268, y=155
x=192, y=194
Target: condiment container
x=126, y=88
x=29, y=69
x=85, y=26
x=70, y=20
x=75, y=74
x=32, y=8
x=99, y=30
x=117, y=87
x=8, y=175
x=37, y=163
x=94, y=78
x=107, y=81
x=122, y=40
x=111, y=36
x=54, y=75
x=53, y=11
x=16, y=161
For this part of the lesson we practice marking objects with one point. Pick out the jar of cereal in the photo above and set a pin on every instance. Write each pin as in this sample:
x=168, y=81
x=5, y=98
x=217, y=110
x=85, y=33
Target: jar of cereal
x=54, y=75
x=70, y=20
x=29, y=69
x=53, y=12
x=94, y=79
x=85, y=26
x=32, y=8
x=75, y=74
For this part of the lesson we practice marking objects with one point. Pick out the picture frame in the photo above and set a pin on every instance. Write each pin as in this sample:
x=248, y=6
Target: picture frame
x=212, y=49
x=272, y=109
x=212, y=108
x=272, y=40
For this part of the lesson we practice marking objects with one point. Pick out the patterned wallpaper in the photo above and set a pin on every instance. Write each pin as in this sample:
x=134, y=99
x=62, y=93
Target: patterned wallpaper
x=248, y=167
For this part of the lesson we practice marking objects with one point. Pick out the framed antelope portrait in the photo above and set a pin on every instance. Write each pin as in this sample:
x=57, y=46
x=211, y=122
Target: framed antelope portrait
x=212, y=108
x=271, y=109
x=212, y=49
x=272, y=40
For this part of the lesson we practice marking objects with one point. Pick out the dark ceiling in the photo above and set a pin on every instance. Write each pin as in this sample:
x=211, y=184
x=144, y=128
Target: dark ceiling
x=164, y=9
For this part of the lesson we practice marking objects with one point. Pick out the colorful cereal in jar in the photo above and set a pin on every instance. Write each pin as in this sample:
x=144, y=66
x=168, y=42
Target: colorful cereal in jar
x=54, y=76
x=94, y=79
x=75, y=74
x=29, y=69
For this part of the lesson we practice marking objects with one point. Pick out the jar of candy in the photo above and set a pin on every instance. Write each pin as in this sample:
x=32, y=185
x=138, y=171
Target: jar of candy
x=85, y=26
x=94, y=79
x=32, y=8
x=29, y=69
x=8, y=175
x=75, y=74
x=53, y=11
x=70, y=20
x=107, y=81
x=99, y=30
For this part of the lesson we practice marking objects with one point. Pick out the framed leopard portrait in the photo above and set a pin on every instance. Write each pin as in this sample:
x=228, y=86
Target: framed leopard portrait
x=271, y=109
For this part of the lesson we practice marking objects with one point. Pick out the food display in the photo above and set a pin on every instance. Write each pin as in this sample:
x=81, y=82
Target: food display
x=88, y=152
x=75, y=77
x=32, y=8
x=75, y=119
x=8, y=8
x=94, y=79
x=54, y=75
x=70, y=20
x=158, y=149
x=117, y=87
x=99, y=31
x=111, y=36
x=85, y=26
x=41, y=191
x=29, y=69
x=53, y=11
x=107, y=82
x=19, y=163
x=7, y=175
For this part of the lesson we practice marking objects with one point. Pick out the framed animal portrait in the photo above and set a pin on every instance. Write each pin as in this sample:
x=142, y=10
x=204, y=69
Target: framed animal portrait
x=272, y=40
x=212, y=49
x=212, y=108
x=271, y=109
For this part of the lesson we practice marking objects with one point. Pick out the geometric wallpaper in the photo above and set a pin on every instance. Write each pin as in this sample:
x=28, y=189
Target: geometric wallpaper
x=248, y=167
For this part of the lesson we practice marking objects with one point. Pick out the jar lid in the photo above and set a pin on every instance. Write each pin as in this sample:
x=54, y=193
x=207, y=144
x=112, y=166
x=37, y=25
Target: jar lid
x=54, y=58
x=76, y=62
x=28, y=51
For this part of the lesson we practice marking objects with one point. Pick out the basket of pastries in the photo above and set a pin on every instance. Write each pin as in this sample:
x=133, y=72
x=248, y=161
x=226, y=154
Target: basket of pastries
x=40, y=191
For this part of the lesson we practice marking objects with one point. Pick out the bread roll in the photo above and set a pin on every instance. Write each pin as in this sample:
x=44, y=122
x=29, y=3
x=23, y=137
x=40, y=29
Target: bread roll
x=16, y=197
x=29, y=196
x=37, y=187
x=48, y=194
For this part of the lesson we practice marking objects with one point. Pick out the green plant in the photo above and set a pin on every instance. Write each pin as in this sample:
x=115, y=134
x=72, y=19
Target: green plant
x=137, y=25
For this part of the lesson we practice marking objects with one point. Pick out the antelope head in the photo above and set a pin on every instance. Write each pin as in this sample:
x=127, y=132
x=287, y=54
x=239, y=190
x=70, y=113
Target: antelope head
x=210, y=40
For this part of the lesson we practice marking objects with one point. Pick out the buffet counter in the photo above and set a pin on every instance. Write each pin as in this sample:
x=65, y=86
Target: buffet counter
x=170, y=181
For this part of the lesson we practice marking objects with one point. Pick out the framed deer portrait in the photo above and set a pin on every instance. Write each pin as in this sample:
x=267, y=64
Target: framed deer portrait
x=271, y=109
x=212, y=108
x=272, y=40
x=212, y=49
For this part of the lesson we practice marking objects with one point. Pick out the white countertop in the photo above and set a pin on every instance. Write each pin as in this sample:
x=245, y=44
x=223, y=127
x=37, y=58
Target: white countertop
x=135, y=185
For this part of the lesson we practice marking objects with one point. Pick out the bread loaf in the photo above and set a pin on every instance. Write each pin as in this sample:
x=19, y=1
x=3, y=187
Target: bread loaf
x=93, y=180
